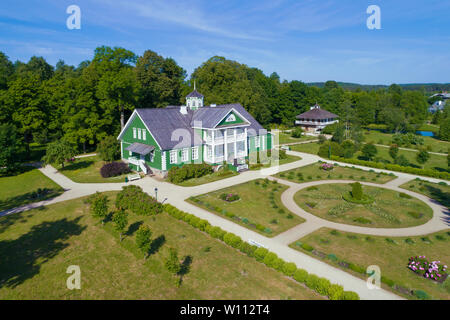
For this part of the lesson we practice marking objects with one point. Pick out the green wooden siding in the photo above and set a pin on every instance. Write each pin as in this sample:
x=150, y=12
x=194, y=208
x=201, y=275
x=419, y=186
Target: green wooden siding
x=180, y=163
x=128, y=139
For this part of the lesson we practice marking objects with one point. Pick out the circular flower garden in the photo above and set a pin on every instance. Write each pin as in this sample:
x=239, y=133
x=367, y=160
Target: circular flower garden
x=363, y=205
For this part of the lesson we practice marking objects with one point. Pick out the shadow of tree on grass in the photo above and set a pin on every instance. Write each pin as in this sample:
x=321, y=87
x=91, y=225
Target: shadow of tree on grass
x=21, y=258
x=29, y=197
x=79, y=164
x=133, y=228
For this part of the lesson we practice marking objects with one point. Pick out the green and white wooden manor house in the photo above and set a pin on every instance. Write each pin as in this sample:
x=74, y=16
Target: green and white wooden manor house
x=155, y=139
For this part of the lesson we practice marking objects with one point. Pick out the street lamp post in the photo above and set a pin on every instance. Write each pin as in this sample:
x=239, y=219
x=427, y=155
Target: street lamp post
x=156, y=194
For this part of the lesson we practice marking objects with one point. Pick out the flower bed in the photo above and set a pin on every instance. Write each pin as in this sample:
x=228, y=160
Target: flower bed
x=326, y=166
x=229, y=197
x=433, y=270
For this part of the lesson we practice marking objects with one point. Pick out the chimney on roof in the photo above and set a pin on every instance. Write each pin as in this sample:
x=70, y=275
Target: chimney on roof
x=183, y=110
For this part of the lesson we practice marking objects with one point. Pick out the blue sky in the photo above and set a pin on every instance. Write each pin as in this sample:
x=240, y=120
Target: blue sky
x=300, y=40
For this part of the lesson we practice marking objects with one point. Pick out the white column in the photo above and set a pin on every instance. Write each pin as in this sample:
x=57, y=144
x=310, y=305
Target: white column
x=235, y=143
x=213, y=147
x=225, y=146
x=245, y=143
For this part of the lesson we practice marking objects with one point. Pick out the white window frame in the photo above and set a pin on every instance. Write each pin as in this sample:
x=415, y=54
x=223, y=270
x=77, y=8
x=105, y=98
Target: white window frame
x=139, y=133
x=194, y=153
x=185, y=155
x=173, y=158
x=230, y=118
x=134, y=133
x=144, y=134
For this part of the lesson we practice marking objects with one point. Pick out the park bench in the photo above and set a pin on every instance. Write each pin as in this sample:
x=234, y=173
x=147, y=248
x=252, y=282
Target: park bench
x=132, y=177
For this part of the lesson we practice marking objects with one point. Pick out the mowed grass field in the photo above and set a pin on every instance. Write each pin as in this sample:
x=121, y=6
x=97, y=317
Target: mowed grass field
x=285, y=137
x=378, y=137
x=436, y=162
x=389, y=209
x=436, y=191
x=18, y=190
x=87, y=170
x=37, y=246
x=260, y=203
x=390, y=255
x=313, y=172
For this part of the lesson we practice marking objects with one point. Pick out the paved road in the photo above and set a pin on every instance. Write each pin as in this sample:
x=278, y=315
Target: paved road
x=177, y=195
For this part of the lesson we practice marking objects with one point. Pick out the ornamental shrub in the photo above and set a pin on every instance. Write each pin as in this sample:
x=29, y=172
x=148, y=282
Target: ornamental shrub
x=422, y=295
x=301, y=275
x=289, y=268
x=335, y=292
x=114, y=169
x=278, y=264
x=261, y=253
x=269, y=259
x=312, y=281
x=307, y=247
x=322, y=286
x=247, y=248
x=357, y=192
x=232, y=240
x=350, y=295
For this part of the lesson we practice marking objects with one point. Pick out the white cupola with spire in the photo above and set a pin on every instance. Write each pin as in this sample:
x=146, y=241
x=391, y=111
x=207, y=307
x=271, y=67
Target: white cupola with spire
x=194, y=100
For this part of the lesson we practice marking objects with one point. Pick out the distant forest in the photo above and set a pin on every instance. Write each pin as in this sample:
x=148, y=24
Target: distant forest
x=424, y=87
x=83, y=104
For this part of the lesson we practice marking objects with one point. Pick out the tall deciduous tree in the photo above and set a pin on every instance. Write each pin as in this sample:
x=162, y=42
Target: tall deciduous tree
x=11, y=147
x=160, y=79
x=58, y=152
x=144, y=240
x=120, y=219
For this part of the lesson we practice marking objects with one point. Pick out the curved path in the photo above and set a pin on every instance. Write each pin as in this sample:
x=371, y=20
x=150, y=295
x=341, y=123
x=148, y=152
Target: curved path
x=176, y=195
x=438, y=222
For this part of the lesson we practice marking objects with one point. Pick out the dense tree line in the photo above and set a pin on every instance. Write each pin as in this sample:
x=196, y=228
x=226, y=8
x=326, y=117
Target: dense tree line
x=86, y=103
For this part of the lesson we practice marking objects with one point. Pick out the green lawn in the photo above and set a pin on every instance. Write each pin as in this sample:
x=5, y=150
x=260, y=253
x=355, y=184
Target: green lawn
x=389, y=210
x=285, y=137
x=313, y=172
x=378, y=137
x=87, y=170
x=390, y=254
x=312, y=147
x=37, y=247
x=259, y=207
x=288, y=159
x=436, y=191
x=436, y=162
x=208, y=178
x=22, y=188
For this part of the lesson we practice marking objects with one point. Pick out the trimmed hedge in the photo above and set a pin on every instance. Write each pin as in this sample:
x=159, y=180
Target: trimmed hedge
x=320, y=285
x=189, y=171
x=395, y=167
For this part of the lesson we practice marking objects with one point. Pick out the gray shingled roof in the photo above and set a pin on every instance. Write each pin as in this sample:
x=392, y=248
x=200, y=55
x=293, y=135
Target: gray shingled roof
x=140, y=148
x=194, y=94
x=317, y=113
x=163, y=122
